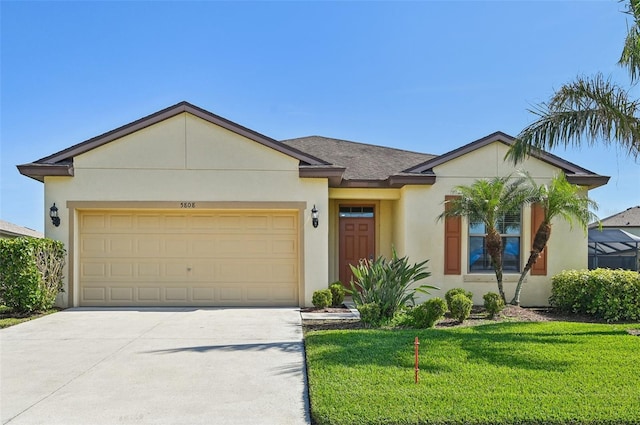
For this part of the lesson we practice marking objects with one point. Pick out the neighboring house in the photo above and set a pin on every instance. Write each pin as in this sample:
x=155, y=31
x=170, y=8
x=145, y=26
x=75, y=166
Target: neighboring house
x=627, y=220
x=10, y=230
x=617, y=244
x=186, y=208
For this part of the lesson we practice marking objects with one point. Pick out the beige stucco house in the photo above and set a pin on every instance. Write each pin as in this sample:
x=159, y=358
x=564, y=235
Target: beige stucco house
x=186, y=208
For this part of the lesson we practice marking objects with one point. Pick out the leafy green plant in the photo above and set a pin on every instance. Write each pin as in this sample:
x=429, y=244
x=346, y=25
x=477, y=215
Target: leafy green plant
x=321, y=298
x=369, y=313
x=388, y=283
x=30, y=273
x=337, y=293
x=455, y=291
x=493, y=303
x=427, y=314
x=460, y=307
x=612, y=295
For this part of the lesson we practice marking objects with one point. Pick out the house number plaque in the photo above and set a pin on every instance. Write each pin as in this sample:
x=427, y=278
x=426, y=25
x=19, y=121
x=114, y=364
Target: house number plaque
x=187, y=204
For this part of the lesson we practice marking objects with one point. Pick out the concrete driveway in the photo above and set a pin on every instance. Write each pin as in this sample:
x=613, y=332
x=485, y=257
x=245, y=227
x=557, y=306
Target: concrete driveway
x=155, y=366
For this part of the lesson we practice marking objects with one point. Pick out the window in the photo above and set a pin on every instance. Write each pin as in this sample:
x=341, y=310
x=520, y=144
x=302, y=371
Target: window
x=360, y=212
x=509, y=227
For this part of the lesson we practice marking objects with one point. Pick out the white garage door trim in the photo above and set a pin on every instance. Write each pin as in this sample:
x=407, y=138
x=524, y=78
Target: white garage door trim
x=185, y=209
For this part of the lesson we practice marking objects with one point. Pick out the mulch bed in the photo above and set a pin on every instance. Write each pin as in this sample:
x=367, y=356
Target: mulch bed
x=478, y=317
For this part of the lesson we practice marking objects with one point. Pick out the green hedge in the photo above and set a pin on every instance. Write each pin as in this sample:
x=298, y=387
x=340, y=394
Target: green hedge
x=30, y=273
x=612, y=295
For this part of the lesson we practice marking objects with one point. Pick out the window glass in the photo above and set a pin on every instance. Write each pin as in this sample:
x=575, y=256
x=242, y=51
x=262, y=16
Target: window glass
x=509, y=227
x=363, y=212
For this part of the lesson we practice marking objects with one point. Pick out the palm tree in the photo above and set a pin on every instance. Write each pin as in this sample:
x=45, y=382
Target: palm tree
x=560, y=199
x=487, y=201
x=590, y=108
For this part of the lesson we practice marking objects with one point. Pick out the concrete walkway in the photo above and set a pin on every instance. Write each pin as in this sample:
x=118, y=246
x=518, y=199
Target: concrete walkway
x=155, y=366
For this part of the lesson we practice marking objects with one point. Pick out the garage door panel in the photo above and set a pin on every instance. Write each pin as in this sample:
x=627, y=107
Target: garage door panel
x=94, y=294
x=120, y=294
x=189, y=258
x=149, y=294
x=204, y=294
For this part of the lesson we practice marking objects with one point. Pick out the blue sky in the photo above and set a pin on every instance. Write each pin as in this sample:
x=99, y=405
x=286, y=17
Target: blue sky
x=423, y=76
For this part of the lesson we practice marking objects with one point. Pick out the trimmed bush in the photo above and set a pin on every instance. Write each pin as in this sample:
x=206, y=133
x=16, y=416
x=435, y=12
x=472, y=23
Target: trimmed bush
x=427, y=314
x=370, y=313
x=460, y=307
x=611, y=295
x=337, y=294
x=321, y=298
x=30, y=273
x=455, y=291
x=493, y=303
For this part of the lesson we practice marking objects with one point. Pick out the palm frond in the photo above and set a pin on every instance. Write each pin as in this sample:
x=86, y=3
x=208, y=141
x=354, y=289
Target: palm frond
x=584, y=110
x=630, y=57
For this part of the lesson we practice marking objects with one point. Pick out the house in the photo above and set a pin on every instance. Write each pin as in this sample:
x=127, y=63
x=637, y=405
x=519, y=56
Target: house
x=9, y=231
x=186, y=208
x=627, y=220
x=614, y=242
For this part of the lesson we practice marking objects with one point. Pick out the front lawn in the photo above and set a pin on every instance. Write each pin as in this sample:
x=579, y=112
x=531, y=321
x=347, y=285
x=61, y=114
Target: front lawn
x=503, y=373
x=10, y=318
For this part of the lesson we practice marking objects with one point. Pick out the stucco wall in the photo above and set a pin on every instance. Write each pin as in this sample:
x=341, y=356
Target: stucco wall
x=420, y=207
x=186, y=159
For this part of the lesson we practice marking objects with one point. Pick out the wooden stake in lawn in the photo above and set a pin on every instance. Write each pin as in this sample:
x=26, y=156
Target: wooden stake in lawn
x=417, y=344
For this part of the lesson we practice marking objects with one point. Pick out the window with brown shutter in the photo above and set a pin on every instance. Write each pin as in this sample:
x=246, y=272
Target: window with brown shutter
x=537, y=215
x=452, y=242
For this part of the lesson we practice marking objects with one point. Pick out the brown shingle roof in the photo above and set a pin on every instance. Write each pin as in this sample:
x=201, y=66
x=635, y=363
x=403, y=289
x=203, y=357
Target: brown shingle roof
x=362, y=161
x=628, y=218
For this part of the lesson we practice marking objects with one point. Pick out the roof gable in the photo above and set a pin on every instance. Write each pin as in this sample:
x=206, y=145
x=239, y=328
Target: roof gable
x=574, y=173
x=61, y=163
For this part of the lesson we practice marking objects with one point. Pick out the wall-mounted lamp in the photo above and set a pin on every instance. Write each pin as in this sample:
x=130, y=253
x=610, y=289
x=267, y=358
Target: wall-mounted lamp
x=314, y=216
x=53, y=213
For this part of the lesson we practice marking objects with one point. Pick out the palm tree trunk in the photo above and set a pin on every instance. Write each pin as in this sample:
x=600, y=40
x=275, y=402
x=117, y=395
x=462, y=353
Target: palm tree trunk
x=494, y=248
x=539, y=242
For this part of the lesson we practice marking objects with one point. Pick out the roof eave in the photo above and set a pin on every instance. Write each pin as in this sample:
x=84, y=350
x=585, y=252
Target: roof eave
x=404, y=180
x=392, y=182
x=590, y=181
x=332, y=173
x=40, y=171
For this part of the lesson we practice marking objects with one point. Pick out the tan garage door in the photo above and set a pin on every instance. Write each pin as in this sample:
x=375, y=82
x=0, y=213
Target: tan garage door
x=213, y=258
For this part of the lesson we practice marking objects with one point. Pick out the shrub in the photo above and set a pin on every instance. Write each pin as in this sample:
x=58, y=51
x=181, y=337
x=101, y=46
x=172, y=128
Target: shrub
x=455, y=291
x=337, y=294
x=30, y=273
x=427, y=314
x=321, y=298
x=612, y=295
x=493, y=303
x=387, y=283
x=369, y=313
x=460, y=307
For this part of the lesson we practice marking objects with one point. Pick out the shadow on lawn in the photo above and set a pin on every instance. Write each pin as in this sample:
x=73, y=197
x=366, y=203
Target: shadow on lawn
x=514, y=345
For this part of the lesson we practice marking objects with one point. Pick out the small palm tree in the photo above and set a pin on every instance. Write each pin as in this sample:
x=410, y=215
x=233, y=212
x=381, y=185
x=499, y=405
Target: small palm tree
x=590, y=108
x=559, y=199
x=487, y=201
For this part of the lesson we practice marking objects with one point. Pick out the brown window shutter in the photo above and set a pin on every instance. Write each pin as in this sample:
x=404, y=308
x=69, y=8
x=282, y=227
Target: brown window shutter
x=452, y=242
x=537, y=215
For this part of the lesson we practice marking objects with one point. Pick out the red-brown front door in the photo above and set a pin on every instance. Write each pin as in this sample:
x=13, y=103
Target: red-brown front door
x=357, y=241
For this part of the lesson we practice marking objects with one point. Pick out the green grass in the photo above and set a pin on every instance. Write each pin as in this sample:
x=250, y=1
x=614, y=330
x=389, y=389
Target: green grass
x=8, y=318
x=506, y=373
